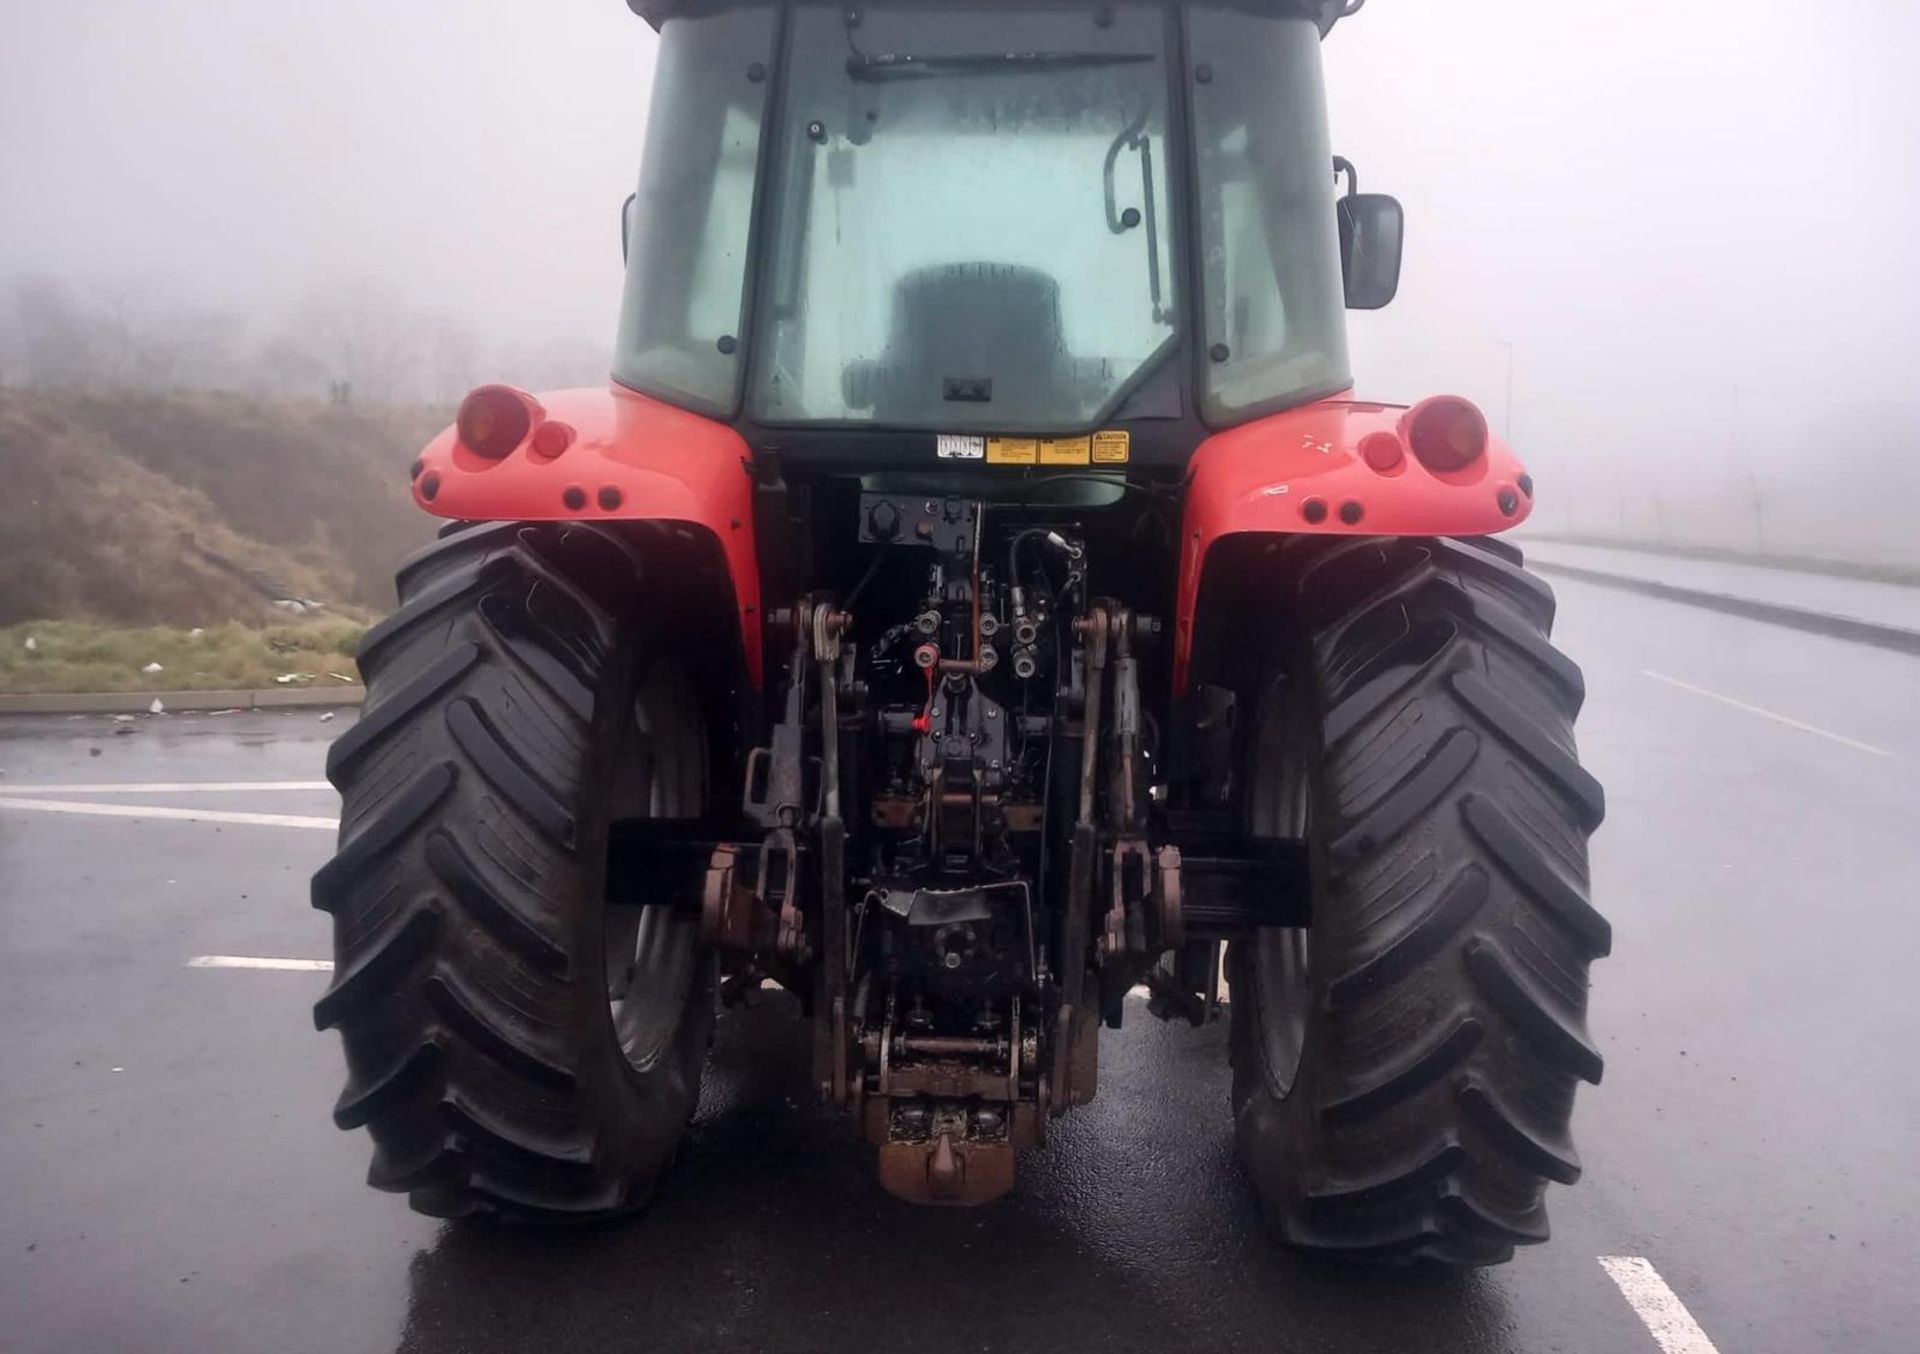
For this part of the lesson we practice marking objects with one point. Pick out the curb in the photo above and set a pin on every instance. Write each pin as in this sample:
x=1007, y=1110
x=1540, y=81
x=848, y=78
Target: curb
x=139, y=702
x=1899, y=575
x=1796, y=618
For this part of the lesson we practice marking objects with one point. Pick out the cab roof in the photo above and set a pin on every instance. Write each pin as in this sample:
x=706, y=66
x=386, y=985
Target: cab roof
x=1323, y=12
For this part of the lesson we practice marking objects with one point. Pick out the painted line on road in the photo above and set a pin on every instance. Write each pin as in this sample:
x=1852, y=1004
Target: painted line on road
x=1773, y=715
x=257, y=961
x=163, y=787
x=325, y=965
x=181, y=815
x=1658, y=1306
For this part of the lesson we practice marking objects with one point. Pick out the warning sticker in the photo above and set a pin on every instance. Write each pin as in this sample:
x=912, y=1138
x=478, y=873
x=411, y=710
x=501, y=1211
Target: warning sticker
x=953, y=447
x=1114, y=446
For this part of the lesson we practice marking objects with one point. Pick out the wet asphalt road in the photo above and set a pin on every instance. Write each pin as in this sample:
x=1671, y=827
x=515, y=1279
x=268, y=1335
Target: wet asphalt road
x=170, y=1180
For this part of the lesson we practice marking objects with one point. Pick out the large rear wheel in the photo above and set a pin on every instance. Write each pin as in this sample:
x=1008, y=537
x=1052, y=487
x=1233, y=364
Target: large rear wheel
x=522, y=1039
x=1404, y=1068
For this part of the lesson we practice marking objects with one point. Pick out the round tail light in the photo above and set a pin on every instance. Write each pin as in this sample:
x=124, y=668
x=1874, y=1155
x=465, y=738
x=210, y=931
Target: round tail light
x=1383, y=452
x=551, y=438
x=493, y=421
x=1446, y=433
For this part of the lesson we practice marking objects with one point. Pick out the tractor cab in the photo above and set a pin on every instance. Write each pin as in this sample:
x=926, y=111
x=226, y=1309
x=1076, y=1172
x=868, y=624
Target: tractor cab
x=993, y=218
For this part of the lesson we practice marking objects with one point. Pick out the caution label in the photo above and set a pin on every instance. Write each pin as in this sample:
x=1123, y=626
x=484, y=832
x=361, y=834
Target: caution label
x=1114, y=446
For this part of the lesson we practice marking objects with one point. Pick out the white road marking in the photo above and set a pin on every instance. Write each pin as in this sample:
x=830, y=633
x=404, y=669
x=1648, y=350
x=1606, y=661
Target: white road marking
x=253, y=961
x=325, y=965
x=1666, y=1317
x=182, y=815
x=1773, y=715
x=161, y=787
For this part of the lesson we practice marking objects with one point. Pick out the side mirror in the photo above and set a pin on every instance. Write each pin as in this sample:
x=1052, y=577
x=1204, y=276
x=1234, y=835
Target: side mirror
x=1373, y=231
x=626, y=224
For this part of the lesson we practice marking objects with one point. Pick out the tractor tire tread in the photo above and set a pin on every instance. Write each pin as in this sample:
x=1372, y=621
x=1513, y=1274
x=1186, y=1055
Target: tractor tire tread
x=1448, y=1026
x=458, y=992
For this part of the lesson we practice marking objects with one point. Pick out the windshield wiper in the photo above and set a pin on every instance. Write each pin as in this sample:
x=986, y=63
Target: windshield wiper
x=892, y=65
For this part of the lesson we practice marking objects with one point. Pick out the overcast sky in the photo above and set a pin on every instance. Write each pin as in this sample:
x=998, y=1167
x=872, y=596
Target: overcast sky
x=1693, y=223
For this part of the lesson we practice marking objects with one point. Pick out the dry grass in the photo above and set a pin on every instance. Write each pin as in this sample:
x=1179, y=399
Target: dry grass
x=196, y=508
x=69, y=656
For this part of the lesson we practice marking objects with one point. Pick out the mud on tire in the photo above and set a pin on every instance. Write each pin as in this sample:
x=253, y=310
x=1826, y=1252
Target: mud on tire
x=1404, y=1070
x=508, y=709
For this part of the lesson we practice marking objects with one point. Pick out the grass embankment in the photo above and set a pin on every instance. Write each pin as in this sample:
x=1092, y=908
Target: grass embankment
x=194, y=508
x=74, y=656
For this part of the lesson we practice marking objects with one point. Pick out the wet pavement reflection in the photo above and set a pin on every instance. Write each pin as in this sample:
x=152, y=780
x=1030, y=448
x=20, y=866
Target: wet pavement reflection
x=1133, y=1229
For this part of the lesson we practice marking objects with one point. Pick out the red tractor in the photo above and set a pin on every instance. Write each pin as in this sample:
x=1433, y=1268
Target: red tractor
x=979, y=597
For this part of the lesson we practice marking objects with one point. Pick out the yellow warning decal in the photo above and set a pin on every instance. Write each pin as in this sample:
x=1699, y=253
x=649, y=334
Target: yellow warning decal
x=1113, y=446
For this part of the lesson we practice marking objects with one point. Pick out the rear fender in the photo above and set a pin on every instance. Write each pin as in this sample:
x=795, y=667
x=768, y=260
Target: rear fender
x=1302, y=472
x=621, y=457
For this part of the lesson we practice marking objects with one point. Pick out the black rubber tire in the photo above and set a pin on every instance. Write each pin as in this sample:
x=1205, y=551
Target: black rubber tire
x=1443, y=1028
x=471, y=987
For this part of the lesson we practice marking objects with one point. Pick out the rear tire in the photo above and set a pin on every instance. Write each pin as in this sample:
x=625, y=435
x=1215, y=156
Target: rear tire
x=1404, y=1072
x=503, y=1055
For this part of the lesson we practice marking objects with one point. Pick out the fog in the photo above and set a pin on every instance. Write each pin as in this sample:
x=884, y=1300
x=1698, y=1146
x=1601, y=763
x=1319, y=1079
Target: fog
x=1693, y=225
x=1682, y=231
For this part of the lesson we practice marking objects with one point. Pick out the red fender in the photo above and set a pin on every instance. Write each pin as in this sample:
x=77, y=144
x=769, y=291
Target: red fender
x=610, y=455
x=1307, y=472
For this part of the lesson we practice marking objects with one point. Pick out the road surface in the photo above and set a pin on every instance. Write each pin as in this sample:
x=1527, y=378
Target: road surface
x=172, y=1180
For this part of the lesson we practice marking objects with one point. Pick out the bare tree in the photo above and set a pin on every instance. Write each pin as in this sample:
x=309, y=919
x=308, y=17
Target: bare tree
x=59, y=346
x=455, y=361
x=363, y=334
